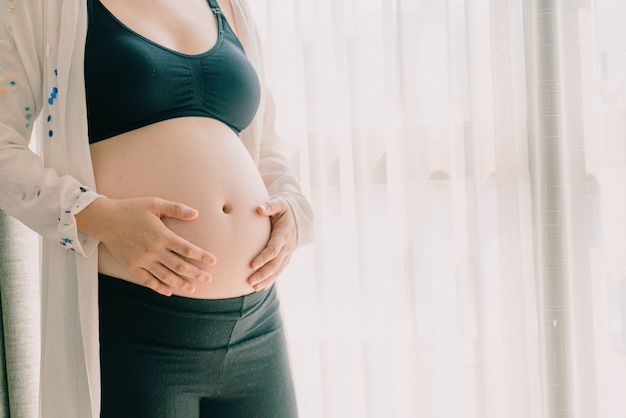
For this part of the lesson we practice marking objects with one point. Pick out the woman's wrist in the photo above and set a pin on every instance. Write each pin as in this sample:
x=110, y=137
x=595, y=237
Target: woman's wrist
x=89, y=220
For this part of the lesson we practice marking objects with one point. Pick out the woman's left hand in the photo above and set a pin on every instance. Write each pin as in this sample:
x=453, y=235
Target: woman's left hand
x=282, y=242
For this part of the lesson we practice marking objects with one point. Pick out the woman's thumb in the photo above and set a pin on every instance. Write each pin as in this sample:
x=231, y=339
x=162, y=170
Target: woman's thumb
x=271, y=207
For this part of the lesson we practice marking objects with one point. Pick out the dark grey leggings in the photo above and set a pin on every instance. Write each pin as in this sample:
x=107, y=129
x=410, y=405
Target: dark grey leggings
x=176, y=357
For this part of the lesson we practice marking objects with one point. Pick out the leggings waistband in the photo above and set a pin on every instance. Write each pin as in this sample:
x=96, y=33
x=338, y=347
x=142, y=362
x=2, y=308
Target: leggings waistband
x=241, y=304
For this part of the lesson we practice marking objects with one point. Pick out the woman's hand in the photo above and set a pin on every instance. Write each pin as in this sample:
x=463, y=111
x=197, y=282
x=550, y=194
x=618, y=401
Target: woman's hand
x=135, y=235
x=281, y=245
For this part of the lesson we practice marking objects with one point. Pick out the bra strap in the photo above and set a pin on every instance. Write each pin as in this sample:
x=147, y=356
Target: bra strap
x=214, y=6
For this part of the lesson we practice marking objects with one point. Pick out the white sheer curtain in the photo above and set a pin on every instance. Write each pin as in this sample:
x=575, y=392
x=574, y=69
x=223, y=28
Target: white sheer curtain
x=466, y=160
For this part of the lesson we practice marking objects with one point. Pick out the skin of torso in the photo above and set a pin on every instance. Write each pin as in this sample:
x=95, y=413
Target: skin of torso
x=192, y=160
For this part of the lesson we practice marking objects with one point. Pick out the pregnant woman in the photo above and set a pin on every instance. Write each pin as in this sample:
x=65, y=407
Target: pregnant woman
x=165, y=200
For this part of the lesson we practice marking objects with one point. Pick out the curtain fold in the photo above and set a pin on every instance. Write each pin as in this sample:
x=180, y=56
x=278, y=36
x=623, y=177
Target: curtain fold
x=563, y=194
x=551, y=192
x=20, y=320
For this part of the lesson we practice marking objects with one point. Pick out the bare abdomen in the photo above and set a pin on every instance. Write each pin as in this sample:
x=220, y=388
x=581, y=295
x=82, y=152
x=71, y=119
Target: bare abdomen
x=199, y=162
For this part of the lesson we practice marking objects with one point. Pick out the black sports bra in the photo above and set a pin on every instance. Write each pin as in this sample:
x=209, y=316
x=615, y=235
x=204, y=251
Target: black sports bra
x=131, y=81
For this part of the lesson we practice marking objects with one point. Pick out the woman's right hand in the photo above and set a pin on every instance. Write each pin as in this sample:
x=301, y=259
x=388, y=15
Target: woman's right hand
x=135, y=235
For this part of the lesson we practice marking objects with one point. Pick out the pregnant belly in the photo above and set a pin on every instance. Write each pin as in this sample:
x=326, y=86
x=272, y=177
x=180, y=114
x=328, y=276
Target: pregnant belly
x=199, y=162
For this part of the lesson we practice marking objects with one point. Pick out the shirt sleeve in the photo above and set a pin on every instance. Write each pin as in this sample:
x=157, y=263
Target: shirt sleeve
x=35, y=194
x=272, y=151
x=278, y=176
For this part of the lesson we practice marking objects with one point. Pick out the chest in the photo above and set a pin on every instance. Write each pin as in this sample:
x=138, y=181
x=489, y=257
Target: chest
x=132, y=80
x=190, y=26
